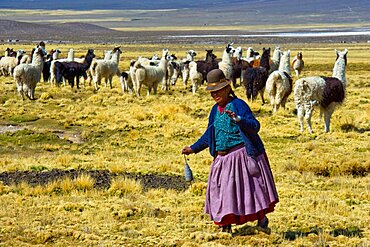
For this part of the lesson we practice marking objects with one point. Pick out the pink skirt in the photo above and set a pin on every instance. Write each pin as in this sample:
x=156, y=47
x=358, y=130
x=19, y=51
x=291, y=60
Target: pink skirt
x=240, y=188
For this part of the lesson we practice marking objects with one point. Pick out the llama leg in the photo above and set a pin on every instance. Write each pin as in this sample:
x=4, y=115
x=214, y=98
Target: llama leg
x=155, y=89
x=194, y=87
x=78, y=82
x=327, y=115
x=110, y=82
x=123, y=84
x=20, y=90
x=96, y=82
x=33, y=93
x=308, y=116
x=263, y=100
x=300, y=113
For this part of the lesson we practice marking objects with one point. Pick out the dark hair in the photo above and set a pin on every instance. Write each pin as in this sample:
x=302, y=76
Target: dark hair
x=232, y=93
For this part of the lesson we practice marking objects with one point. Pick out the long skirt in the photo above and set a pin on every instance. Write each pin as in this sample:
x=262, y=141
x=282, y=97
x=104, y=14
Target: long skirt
x=240, y=188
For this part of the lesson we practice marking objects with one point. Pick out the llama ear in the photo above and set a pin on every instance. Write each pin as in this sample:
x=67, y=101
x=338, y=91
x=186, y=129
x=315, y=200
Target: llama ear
x=345, y=51
x=336, y=52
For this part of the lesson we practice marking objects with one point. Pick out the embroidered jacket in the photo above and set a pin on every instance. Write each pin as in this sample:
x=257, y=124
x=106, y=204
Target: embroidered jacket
x=248, y=126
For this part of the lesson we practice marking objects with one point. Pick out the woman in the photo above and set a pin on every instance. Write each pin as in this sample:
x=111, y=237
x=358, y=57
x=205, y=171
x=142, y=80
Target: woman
x=240, y=187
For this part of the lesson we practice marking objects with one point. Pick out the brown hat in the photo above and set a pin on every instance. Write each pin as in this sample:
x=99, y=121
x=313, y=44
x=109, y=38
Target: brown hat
x=216, y=80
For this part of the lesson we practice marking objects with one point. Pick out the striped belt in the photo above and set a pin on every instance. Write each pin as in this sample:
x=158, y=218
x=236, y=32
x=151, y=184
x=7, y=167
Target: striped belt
x=225, y=152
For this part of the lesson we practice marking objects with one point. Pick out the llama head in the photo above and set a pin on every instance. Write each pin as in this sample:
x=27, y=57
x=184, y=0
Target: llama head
x=229, y=48
x=192, y=53
x=238, y=52
x=210, y=56
x=165, y=53
x=117, y=49
x=40, y=51
x=90, y=52
x=342, y=55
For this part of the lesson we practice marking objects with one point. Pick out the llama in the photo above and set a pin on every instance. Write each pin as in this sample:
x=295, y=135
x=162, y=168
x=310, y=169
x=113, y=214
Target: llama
x=53, y=55
x=255, y=78
x=70, y=58
x=275, y=60
x=298, y=64
x=26, y=76
x=27, y=58
x=252, y=57
x=226, y=64
x=171, y=65
x=279, y=83
x=126, y=82
x=239, y=66
x=107, y=56
x=149, y=75
x=175, y=67
x=184, y=66
x=204, y=66
x=327, y=92
x=7, y=64
x=74, y=70
x=106, y=69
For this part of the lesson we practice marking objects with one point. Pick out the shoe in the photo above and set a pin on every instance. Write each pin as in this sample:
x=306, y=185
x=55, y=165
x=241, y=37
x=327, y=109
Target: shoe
x=226, y=228
x=263, y=223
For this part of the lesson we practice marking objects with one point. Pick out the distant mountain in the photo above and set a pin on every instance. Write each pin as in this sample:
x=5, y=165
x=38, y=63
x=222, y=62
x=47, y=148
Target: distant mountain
x=114, y=4
x=60, y=31
x=206, y=16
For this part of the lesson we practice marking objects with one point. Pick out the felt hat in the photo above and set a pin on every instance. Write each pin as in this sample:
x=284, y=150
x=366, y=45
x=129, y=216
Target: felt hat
x=216, y=80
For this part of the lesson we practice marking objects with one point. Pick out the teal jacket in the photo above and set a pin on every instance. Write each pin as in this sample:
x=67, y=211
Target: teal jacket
x=248, y=126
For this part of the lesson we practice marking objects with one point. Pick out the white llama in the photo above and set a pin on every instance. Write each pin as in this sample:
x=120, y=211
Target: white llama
x=106, y=69
x=26, y=76
x=226, y=64
x=279, y=83
x=275, y=60
x=184, y=66
x=327, y=92
x=149, y=75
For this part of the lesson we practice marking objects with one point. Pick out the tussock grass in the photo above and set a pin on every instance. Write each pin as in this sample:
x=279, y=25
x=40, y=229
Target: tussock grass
x=123, y=187
x=322, y=178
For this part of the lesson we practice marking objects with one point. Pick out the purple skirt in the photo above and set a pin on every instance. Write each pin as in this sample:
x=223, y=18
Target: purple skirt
x=240, y=188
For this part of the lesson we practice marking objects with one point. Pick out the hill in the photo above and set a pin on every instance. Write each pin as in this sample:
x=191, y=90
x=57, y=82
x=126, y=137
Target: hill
x=78, y=31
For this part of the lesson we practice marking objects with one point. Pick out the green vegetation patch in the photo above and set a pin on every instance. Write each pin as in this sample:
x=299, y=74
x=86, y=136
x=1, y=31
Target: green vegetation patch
x=23, y=118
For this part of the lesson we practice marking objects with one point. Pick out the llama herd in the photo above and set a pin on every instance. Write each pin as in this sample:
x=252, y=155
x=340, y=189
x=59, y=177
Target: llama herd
x=257, y=73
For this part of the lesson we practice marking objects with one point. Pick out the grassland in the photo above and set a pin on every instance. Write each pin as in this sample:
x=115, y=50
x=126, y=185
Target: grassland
x=322, y=178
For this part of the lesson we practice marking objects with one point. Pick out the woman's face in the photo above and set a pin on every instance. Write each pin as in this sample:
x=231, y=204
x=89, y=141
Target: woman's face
x=221, y=96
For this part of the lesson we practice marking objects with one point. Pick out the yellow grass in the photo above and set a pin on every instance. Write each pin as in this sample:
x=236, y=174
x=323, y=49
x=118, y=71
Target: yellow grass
x=322, y=178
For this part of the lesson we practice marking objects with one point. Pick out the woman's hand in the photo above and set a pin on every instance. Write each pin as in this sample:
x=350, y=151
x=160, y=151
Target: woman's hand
x=233, y=115
x=187, y=150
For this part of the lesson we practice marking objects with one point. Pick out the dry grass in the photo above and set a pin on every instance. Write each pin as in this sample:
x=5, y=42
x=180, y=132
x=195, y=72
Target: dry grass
x=322, y=179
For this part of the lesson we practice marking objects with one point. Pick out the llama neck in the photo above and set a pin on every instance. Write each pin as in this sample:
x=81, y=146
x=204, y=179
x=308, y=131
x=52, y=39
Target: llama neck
x=284, y=64
x=37, y=61
x=115, y=57
x=71, y=55
x=189, y=58
x=163, y=63
x=226, y=57
x=264, y=62
x=88, y=60
x=339, y=71
x=276, y=56
x=55, y=55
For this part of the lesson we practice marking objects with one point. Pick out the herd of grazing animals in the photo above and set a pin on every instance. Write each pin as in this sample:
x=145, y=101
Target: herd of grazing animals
x=256, y=73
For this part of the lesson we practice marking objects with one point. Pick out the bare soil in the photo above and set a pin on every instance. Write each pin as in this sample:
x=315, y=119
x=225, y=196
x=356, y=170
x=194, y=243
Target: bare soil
x=102, y=178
